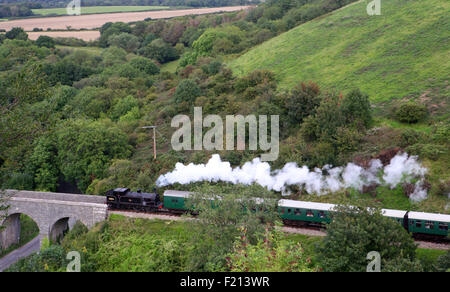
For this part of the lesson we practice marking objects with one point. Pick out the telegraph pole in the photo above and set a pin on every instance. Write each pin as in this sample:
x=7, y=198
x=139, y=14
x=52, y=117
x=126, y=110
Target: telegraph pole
x=154, y=139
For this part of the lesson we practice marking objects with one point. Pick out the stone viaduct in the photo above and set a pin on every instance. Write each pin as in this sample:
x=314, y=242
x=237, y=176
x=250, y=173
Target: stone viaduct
x=54, y=213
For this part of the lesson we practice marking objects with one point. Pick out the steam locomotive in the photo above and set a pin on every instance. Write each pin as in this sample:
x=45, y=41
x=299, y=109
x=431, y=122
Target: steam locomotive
x=124, y=199
x=297, y=213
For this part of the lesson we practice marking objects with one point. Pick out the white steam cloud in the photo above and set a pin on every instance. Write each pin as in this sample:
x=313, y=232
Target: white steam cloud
x=402, y=168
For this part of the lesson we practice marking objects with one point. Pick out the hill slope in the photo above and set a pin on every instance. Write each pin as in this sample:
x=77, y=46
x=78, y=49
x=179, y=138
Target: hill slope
x=401, y=53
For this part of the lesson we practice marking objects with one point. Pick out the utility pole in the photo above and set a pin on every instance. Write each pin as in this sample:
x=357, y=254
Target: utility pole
x=154, y=139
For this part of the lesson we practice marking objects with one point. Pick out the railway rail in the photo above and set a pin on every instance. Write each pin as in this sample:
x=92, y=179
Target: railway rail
x=423, y=242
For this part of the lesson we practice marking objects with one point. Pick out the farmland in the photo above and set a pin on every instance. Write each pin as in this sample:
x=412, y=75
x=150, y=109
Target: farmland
x=85, y=35
x=92, y=21
x=99, y=9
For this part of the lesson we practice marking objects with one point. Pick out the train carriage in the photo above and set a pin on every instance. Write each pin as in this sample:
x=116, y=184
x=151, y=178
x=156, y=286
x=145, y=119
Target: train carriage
x=428, y=223
x=298, y=211
x=176, y=200
x=397, y=215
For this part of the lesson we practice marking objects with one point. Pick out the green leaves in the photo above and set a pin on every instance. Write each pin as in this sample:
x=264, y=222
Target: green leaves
x=356, y=231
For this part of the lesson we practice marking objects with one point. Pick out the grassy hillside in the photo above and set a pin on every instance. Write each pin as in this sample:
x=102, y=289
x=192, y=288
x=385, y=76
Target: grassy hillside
x=99, y=9
x=402, y=53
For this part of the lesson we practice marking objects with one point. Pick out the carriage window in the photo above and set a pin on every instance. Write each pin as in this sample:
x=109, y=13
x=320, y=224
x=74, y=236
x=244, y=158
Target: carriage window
x=298, y=212
x=419, y=224
x=321, y=214
x=429, y=225
x=309, y=213
x=289, y=210
x=174, y=201
x=443, y=226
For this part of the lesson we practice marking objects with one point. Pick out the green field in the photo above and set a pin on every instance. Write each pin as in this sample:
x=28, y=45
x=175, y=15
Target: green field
x=99, y=9
x=402, y=53
x=92, y=50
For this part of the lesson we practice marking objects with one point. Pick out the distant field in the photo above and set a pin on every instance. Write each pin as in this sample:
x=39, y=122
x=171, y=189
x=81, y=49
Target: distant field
x=94, y=21
x=85, y=35
x=99, y=9
x=92, y=50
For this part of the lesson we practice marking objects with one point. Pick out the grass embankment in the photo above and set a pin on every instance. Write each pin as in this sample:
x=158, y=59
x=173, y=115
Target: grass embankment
x=28, y=231
x=400, y=54
x=99, y=9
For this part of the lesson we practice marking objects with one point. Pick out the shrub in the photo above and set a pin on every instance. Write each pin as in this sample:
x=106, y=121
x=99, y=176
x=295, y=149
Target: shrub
x=19, y=181
x=364, y=230
x=431, y=151
x=443, y=263
x=45, y=41
x=145, y=65
x=409, y=137
x=411, y=113
x=269, y=254
x=126, y=41
x=356, y=108
x=302, y=102
x=187, y=91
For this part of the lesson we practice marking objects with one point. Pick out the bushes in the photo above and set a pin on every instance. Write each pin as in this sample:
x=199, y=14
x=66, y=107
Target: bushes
x=369, y=231
x=410, y=113
x=270, y=254
x=145, y=65
x=18, y=181
x=302, y=102
x=45, y=41
x=187, y=91
x=126, y=41
x=159, y=51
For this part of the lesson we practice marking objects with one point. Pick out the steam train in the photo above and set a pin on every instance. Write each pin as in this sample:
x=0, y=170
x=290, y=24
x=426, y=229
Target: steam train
x=297, y=213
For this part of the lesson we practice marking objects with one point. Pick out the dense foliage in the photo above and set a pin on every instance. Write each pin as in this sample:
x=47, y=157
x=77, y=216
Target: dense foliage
x=355, y=232
x=17, y=9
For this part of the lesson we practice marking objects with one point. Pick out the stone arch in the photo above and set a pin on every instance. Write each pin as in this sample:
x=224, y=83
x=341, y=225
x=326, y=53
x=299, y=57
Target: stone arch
x=11, y=233
x=58, y=229
x=60, y=225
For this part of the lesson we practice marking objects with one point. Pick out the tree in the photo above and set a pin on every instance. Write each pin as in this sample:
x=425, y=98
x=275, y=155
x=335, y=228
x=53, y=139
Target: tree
x=87, y=155
x=219, y=223
x=356, y=108
x=45, y=41
x=356, y=231
x=145, y=65
x=327, y=118
x=411, y=113
x=302, y=102
x=124, y=40
x=187, y=91
x=160, y=51
x=17, y=33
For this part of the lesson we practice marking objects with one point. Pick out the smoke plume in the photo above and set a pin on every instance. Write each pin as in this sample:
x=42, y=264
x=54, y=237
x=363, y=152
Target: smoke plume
x=402, y=168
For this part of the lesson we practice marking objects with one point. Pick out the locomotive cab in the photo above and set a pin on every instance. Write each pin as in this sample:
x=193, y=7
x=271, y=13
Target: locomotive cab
x=124, y=199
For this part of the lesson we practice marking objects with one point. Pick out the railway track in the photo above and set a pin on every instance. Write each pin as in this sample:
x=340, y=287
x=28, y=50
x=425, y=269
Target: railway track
x=427, y=243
